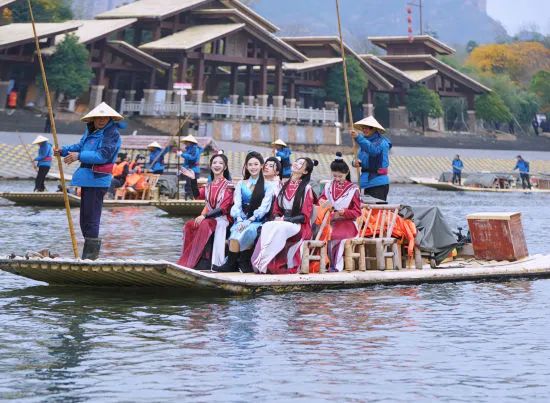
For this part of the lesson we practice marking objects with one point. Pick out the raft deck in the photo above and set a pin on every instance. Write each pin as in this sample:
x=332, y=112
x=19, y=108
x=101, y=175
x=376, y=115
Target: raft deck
x=117, y=273
x=55, y=199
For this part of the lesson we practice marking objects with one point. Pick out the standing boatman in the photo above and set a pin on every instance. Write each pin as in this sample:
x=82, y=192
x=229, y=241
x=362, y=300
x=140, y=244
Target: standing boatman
x=44, y=162
x=156, y=158
x=191, y=161
x=458, y=166
x=97, y=151
x=523, y=167
x=283, y=152
x=373, y=157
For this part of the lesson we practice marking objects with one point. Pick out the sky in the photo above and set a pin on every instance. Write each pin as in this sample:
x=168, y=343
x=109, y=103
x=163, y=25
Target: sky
x=514, y=14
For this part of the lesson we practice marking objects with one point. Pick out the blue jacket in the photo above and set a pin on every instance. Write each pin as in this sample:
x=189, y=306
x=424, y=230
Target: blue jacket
x=374, y=155
x=97, y=148
x=157, y=157
x=284, y=155
x=523, y=166
x=458, y=166
x=45, y=153
x=192, y=157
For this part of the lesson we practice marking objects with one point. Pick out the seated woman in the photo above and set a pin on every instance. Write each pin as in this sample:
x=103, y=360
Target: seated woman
x=343, y=198
x=278, y=249
x=213, y=220
x=251, y=206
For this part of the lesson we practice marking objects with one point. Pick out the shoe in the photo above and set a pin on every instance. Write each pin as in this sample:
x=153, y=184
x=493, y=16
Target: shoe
x=230, y=264
x=245, y=261
x=91, y=249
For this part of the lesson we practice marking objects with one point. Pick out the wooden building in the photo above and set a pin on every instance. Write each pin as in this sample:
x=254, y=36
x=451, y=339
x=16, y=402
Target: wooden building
x=415, y=63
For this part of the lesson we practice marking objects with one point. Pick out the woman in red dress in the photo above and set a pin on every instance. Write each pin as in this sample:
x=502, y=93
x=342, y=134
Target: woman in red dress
x=343, y=198
x=213, y=221
x=278, y=250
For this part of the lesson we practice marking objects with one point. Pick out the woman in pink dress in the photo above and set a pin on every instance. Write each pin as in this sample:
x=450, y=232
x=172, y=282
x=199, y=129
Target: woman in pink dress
x=343, y=198
x=204, y=237
x=278, y=250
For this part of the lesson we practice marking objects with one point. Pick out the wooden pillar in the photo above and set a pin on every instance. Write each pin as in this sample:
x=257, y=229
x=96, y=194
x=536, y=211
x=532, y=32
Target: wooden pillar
x=152, y=79
x=199, y=74
x=170, y=81
x=249, y=81
x=471, y=99
x=279, y=78
x=234, y=79
x=132, y=81
x=263, y=79
x=292, y=88
x=182, y=70
x=156, y=33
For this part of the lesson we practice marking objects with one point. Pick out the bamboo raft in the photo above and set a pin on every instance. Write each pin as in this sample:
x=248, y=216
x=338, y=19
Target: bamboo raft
x=55, y=199
x=182, y=208
x=446, y=186
x=164, y=274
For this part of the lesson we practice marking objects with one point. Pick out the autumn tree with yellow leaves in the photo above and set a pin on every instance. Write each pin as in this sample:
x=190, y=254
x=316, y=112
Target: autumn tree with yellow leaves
x=519, y=60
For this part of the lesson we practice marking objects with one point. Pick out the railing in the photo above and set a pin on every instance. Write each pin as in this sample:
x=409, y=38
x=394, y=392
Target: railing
x=242, y=111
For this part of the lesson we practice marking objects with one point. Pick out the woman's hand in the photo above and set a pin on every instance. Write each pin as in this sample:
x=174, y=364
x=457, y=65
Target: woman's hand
x=72, y=157
x=199, y=219
x=354, y=134
x=56, y=152
x=187, y=172
x=243, y=224
x=326, y=205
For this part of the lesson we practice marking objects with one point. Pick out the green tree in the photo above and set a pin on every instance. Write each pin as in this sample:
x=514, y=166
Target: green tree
x=491, y=108
x=357, y=78
x=422, y=103
x=540, y=85
x=68, y=70
x=43, y=11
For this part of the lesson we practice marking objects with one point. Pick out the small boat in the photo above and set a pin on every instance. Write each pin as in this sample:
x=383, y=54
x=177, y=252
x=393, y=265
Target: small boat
x=182, y=208
x=164, y=274
x=55, y=199
x=482, y=182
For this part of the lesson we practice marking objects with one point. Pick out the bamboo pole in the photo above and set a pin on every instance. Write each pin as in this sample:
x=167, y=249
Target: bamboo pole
x=54, y=134
x=28, y=153
x=346, y=83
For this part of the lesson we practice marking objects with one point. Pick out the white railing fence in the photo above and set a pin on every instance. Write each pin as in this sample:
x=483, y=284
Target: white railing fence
x=230, y=111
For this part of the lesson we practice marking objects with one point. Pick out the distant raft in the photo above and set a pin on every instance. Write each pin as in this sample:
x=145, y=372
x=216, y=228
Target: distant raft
x=181, y=208
x=164, y=274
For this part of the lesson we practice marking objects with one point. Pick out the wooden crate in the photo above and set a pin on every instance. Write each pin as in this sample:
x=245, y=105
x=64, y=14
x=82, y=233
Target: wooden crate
x=497, y=236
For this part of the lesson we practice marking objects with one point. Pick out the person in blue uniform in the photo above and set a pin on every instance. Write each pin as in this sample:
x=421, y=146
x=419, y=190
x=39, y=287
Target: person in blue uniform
x=373, y=157
x=191, y=161
x=43, y=161
x=523, y=167
x=283, y=152
x=97, y=151
x=458, y=166
x=156, y=158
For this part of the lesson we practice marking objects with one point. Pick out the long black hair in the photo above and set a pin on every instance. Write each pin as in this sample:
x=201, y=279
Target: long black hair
x=339, y=165
x=278, y=165
x=300, y=192
x=226, y=173
x=259, y=189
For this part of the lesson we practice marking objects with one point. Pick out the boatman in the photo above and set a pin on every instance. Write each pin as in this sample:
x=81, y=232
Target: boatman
x=283, y=152
x=44, y=162
x=156, y=158
x=373, y=157
x=458, y=166
x=97, y=151
x=523, y=167
x=191, y=161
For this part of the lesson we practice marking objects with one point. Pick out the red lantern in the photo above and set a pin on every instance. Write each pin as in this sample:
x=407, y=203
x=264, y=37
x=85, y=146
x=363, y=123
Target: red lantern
x=409, y=19
x=410, y=30
x=409, y=10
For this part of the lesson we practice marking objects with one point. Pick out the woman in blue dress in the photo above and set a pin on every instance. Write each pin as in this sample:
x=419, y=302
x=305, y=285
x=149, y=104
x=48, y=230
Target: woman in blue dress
x=251, y=207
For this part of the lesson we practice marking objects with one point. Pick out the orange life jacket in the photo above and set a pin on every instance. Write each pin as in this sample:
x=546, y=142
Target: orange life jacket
x=118, y=169
x=12, y=99
x=137, y=181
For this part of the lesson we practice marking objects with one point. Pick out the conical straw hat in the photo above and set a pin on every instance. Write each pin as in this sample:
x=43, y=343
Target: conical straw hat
x=190, y=139
x=279, y=142
x=369, y=122
x=154, y=144
x=40, y=139
x=102, y=111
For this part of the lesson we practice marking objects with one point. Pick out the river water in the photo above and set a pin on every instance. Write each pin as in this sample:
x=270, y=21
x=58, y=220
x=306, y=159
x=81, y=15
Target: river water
x=453, y=342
